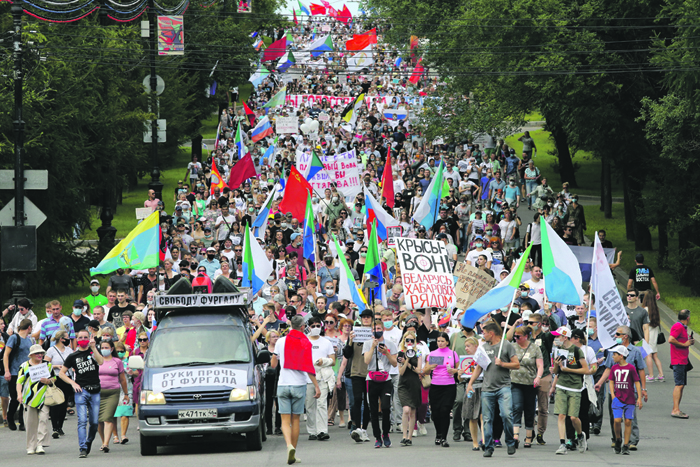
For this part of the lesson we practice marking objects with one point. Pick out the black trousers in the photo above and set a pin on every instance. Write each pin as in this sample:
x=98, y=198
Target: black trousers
x=359, y=394
x=270, y=400
x=442, y=398
x=380, y=393
x=14, y=404
x=58, y=412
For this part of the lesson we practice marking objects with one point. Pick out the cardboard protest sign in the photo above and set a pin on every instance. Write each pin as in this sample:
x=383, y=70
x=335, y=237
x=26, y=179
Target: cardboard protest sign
x=472, y=284
x=341, y=169
x=426, y=273
x=284, y=125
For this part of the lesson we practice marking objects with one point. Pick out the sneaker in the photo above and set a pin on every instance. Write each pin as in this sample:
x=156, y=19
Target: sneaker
x=40, y=450
x=357, y=435
x=457, y=436
x=408, y=443
x=660, y=378
x=378, y=443
x=323, y=436
x=60, y=432
x=562, y=450
x=422, y=430
x=571, y=444
x=650, y=379
x=511, y=450
x=30, y=452
x=387, y=441
x=4, y=422
x=633, y=447
x=488, y=453
x=21, y=428
x=291, y=455
x=365, y=438
x=415, y=433
x=540, y=440
x=54, y=435
x=617, y=446
x=596, y=430
x=582, y=444
x=467, y=436
x=83, y=454
x=626, y=450
x=313, y=437
x=342, y=425
x=278, y=431
x=497, y=443
x=403, y=442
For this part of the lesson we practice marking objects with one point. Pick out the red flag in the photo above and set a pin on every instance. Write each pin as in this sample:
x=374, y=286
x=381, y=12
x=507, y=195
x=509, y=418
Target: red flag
x=242, y=171
x=344, y=15
x=250, y=114
x=331, y=11
x=276, y=50
x=373, y=35
x=217, y=181
x=296, y=21
x=388, y=183
x=296, y=192
x=417, y=72
x=317, y=9
x=358, y=42
x=326, y=4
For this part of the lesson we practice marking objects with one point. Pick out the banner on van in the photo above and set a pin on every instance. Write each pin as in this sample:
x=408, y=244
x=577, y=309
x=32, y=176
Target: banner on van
x=191, y=301
x=204, y=376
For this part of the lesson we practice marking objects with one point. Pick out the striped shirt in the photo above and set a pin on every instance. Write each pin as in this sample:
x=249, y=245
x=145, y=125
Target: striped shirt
x=50, y=326
x=32, y=392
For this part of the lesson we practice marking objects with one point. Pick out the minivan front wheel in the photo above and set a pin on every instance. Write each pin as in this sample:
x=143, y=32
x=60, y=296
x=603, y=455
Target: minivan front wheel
x=254, y=439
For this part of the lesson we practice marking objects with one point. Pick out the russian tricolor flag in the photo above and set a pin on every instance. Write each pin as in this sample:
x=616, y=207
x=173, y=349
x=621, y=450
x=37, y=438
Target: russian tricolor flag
x=376, y=212
x=399, y=114
x=262, y=129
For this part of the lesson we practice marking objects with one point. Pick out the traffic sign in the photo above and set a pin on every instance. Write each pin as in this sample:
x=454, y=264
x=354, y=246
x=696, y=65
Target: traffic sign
x=147, y=135
x=33, y=213
x=35, y=179
x=160, y=84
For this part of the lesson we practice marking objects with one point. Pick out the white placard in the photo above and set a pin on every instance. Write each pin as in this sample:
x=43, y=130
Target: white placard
x=287, y=125
x=36, y=372
x=142, y=213
x=202, y=300
x=362, y=334
x=205, y=376
x=324, y=117
x=340, y=168
x=481, y=358
x=426, y=273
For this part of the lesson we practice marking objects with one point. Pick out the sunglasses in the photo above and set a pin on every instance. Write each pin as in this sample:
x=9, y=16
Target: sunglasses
x=238, y=251
x=631, y=295
x=329, y=322
x=411, y=341
x=620, y=334
x=143, y=340
x=315, y=326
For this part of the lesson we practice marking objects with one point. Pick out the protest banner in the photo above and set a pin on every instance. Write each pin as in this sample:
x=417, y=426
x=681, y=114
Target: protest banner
x=472, y=284
x=425, y=272
x=341, y=169
x=284, y=125
x=324, y=117
x=299, y=100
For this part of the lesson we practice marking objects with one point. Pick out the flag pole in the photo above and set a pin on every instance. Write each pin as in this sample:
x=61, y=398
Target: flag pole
x=505, y=328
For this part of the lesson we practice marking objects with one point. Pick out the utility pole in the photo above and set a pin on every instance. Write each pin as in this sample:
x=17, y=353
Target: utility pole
x=155, y=183
x=19, y=281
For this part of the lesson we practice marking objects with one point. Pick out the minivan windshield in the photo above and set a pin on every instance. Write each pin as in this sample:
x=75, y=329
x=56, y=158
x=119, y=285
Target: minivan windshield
x=198, y=345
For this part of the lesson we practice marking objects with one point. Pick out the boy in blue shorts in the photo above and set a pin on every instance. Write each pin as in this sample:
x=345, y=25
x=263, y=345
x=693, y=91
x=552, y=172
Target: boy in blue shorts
x=623, y=381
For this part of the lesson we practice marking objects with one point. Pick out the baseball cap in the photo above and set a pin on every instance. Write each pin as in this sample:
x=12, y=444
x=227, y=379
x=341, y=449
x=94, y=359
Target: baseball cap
x=78, y=304
x=212, y=249
x=441, y=236
x=366, y=312
x=94, y=324
x=579, y=334
x=563, y=331
x=94, y=281
x=621, y=349
x=526, y=314
x=525, y=286
x=294, y=236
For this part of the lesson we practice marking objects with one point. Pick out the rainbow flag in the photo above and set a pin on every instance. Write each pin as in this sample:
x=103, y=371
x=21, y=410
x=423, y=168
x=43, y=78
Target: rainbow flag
x=139, y=250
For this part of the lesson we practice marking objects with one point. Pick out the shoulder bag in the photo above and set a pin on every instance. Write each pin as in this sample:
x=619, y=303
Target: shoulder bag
x=378, y=376
x=53, y=396
x=661, y=338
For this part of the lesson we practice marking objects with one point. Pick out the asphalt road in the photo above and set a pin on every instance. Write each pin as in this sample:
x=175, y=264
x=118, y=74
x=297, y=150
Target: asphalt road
x=665, y=441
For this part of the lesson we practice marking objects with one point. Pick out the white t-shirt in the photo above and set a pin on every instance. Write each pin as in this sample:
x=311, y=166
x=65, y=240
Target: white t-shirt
x=290, y=377
x=507, y=229
x=394, y=335
x=321, y=348
x=223, y=228
x=474, y=254
x=535, y=234
x=537, y=291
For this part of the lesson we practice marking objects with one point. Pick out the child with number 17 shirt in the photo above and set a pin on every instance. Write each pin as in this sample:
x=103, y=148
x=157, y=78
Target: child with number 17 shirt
x=623, y=381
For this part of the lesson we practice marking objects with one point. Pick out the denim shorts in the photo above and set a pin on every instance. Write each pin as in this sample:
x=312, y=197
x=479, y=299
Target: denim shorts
x=4, y=387
x=621, y=410
x=680, y=376
x=291, y=399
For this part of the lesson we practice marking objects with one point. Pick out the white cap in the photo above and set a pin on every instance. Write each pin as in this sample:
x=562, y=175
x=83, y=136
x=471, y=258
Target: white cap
x=621, y=349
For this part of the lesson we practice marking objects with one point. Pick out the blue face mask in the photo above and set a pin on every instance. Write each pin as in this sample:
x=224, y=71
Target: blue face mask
x=388, y=324
x=618, y=340
x=591, y=331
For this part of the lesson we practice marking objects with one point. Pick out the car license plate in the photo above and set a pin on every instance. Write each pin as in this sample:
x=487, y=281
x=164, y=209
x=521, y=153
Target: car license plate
x=197, y=414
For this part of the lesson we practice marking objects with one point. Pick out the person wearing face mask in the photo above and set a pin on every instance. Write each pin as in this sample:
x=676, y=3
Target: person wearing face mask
x=330, y=294
x=623, y=336
x=31, y=394
x=409, y=365
x=329, y=273
x=85, y=362
x=22, y=312
x=575, y=215
x=121, y=281
x=379, y=355
x=112, y=378
x=457, y=344
x=211, y=264
x=393, y=334
x=569, y=367
x=79, y=316
x=57, y=355
x=125, y=409
x=333, y=209
x=95, y=298
x=512, y=194
x=53, y=322
x=323, y=356
x=474, y=254
x=147, y=282
x=599, y=351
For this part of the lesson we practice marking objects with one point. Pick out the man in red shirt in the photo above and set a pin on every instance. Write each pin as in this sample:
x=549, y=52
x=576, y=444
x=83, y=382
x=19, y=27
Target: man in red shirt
x=680, y=351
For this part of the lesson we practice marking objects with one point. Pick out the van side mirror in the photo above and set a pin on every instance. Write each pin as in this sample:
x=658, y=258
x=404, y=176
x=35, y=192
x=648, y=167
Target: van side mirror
x=263, y=356
x=136, y=362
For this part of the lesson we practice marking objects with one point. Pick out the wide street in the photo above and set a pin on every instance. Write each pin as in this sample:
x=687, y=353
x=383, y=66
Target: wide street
x=665, y=441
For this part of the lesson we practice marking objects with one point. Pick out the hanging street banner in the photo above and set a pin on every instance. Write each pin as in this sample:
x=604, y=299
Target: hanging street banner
x=426, y=273
x=171, y=35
